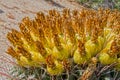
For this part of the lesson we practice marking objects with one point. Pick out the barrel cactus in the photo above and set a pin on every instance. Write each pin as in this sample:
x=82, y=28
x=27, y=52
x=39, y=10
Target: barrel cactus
x=69, y=45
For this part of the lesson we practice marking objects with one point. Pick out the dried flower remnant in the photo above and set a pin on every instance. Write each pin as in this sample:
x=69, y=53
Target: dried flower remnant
x=85, y=37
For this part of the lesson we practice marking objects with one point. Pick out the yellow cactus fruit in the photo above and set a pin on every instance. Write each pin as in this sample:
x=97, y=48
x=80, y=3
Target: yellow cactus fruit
x=56, y=70
x=23, y=61
x=64, y=53
x=56, y=53
x=118, y=64
x=91, y=48
x=78, y=58
x=61, y=54
x=54, y=67
x=105, y=59
x=37, y=58
x=68, y=46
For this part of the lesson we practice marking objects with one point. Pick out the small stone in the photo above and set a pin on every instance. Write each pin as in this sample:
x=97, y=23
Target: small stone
x=1, y=11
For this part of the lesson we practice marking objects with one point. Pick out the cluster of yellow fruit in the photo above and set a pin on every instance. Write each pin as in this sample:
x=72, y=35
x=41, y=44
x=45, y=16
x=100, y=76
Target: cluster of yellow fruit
x=56, y=39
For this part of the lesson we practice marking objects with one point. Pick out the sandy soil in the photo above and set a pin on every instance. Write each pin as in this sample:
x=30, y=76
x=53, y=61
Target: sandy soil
x=11, y=13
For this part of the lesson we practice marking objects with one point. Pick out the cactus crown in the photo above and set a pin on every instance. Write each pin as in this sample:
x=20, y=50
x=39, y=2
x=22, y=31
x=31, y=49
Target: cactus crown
x=57, y=40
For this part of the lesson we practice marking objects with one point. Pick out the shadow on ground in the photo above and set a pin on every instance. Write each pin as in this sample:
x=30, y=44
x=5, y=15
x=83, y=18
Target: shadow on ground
x=54, y=3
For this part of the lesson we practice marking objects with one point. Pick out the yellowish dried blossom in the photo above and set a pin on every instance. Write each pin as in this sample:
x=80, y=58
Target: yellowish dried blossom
x=80, y=35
